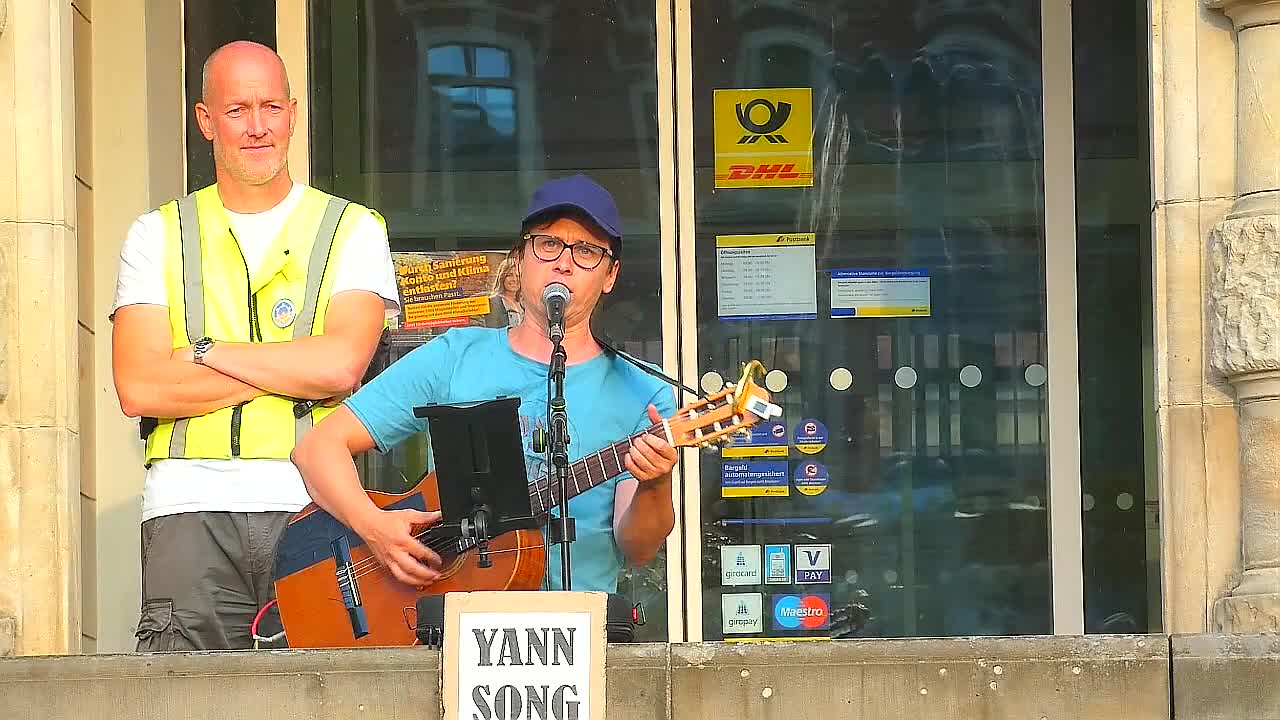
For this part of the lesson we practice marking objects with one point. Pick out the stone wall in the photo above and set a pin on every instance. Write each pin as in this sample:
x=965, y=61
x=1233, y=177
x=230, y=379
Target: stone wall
x=39, y=408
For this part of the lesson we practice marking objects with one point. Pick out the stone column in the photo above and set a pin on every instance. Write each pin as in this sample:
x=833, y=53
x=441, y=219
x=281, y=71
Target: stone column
x=39, y=440
x=8, y=624
x=1244, y=287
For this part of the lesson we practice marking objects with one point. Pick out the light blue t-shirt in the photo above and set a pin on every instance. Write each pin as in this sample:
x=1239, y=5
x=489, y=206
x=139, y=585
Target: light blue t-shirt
x=606, y=400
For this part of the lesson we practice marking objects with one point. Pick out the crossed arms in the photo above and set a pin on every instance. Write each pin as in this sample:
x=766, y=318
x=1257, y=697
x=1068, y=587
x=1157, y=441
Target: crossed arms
x=154, y=380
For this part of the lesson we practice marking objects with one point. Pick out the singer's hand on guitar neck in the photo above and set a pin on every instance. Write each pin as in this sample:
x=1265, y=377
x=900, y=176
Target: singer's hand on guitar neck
x=651, y=457
x=390, y=536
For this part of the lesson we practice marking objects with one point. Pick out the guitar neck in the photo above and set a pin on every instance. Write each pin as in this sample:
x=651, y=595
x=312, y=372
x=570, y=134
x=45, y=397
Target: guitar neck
x=584, y=474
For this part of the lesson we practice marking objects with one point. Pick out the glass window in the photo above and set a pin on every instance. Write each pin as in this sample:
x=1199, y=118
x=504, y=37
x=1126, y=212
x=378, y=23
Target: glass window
x=1120, y=500
x=906, y=492
x=208, y=25
x=445, y=118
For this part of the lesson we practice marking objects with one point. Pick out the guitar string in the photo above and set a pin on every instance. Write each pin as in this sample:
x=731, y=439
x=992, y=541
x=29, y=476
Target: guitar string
x=438, y=544
x=343, y=582
x=370, y=564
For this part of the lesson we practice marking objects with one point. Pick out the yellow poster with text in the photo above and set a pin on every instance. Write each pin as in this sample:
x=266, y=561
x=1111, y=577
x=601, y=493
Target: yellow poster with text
x=764, y=137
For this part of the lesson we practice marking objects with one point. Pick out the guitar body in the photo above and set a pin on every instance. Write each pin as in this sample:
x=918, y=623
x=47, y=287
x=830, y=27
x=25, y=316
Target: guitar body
x=310, y=580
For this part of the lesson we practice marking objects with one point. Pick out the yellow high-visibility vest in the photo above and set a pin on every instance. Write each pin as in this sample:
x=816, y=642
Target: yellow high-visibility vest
x=212, y=293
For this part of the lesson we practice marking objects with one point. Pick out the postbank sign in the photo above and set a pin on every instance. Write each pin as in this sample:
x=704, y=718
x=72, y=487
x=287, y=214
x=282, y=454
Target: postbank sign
x=763, y=138
x=524, y=656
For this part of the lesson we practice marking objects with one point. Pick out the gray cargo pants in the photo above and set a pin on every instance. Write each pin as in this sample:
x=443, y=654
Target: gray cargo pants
x=205, y=575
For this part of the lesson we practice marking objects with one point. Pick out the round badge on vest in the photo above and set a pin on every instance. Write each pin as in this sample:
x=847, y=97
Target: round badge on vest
x=283, y=313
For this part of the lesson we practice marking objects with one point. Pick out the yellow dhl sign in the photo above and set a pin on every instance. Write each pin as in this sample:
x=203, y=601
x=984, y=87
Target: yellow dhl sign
x=763, y=137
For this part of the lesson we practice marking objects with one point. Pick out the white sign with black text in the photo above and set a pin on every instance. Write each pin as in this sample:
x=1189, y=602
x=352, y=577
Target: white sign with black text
x=542, y=661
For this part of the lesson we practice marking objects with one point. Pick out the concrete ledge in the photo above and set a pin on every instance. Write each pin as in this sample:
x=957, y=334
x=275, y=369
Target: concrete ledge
x=1094, y=677
x=1226, y=677
x=383, y=684
x=1112, y=677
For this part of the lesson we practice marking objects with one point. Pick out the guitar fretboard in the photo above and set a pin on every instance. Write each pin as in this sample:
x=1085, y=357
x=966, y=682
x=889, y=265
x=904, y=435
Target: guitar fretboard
x=584, y=474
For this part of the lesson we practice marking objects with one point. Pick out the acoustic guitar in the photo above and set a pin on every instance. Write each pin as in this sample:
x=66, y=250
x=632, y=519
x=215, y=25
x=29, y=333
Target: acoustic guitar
x=332, y=592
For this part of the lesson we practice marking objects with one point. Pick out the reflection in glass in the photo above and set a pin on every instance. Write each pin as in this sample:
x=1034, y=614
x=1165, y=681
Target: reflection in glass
x=207, y=26
x=927, y=146
x=1121, y=533
x=445, y=116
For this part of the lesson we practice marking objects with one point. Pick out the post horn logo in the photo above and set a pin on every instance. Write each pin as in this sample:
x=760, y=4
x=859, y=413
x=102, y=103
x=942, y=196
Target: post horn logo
x=769, y=128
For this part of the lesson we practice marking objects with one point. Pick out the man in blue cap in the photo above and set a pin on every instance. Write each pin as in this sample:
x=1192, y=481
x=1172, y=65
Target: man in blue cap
x=571, y=234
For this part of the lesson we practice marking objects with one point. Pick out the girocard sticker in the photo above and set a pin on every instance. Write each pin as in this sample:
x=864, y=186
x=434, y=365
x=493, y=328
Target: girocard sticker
x=880, y=293
x=811, y=436
x=777, y=564
x=813, y=564
x=742, y=613
x=755, y=478
x=764, y=440
x=771, y=276
x=763, y=138
x=811, y=477
x=448, y=289
x=740, y=565
x=802, y=612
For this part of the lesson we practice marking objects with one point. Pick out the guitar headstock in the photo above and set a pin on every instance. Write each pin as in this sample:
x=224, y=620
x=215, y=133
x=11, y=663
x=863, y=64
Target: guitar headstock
x=734, y=409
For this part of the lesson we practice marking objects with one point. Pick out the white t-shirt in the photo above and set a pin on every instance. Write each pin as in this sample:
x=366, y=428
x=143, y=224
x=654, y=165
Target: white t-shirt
x=180, y=485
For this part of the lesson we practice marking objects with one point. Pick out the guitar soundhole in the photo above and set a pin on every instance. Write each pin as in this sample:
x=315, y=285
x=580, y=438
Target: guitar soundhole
x=455, y=566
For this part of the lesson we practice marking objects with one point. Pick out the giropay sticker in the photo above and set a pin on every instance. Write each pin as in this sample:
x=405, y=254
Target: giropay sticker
x=742, y=613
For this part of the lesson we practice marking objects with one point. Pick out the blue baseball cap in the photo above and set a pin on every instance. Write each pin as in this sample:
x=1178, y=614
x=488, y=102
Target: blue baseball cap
x=580, y=193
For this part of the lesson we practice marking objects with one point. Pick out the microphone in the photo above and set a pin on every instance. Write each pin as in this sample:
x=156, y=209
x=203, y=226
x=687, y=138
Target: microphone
x=555, y=297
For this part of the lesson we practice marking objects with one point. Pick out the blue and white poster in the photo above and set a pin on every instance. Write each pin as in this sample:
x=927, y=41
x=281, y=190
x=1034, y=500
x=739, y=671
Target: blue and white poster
x=755, y=478
x=902, y=292
x=766, y=440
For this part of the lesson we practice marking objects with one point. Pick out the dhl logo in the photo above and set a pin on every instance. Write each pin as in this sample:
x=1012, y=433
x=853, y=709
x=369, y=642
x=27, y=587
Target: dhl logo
x=763, y=171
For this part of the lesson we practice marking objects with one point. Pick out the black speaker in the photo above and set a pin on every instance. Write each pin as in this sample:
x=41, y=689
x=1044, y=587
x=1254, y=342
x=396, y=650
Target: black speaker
x=620, y=620
x=430, y=627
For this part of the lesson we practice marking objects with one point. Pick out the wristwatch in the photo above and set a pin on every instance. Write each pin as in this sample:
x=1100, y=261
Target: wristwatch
x=201, y=347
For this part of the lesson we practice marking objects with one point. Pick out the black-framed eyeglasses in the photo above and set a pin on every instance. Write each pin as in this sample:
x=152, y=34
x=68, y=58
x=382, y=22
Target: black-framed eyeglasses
x=549, y=248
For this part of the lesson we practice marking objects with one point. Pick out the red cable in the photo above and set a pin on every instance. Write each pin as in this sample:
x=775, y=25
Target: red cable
x=253, y=629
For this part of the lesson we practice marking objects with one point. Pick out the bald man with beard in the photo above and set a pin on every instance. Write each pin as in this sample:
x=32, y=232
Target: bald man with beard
x=244, y=313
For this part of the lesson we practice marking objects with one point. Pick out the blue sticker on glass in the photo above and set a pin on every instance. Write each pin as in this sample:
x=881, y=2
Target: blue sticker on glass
x=811, y=477
x=754, y=478
x=810, y=436
x=777, y=564
x=802, y=612
x=765, y=440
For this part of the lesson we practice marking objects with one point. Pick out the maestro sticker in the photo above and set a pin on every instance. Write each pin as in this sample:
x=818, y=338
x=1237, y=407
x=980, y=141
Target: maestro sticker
x=802, y=612
x=810, y=436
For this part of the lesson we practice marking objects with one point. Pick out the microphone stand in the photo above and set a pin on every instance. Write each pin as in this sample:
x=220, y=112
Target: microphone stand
x=563, y=527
